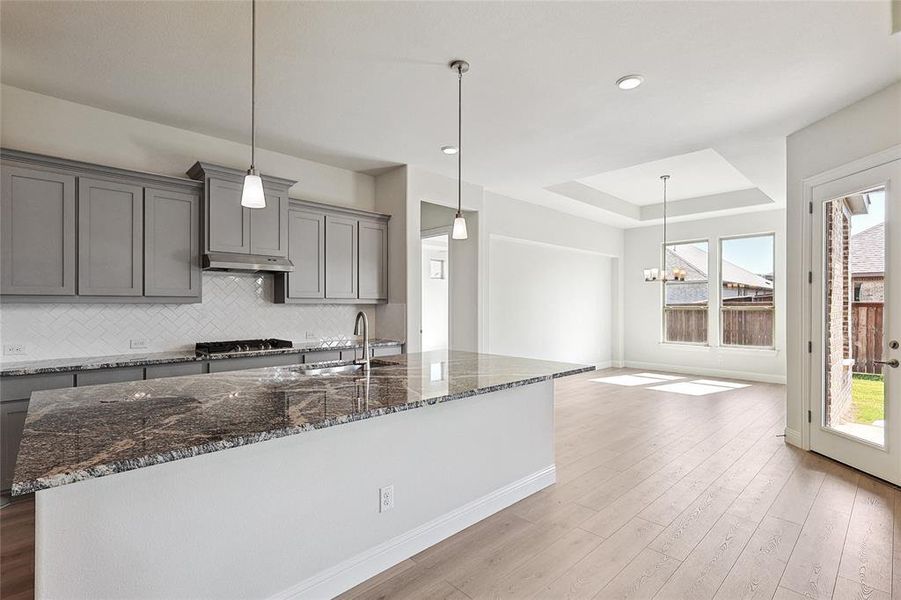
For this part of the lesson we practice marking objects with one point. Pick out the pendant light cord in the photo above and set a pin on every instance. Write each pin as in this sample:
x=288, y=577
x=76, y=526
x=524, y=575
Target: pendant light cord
x=459, y=140
x=253, y=83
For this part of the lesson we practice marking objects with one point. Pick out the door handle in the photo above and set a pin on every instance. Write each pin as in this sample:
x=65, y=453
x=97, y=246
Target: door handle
x=892, y=363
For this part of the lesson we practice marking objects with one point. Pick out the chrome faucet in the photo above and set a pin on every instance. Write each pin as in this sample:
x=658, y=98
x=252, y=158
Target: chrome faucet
x=364, y=331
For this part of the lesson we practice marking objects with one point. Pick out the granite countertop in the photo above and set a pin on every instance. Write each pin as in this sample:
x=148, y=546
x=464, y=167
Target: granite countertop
x=88, y=363
x=82, y=433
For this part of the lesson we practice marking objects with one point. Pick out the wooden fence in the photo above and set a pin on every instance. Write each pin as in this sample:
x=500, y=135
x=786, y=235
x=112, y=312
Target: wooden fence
x=866, y=334
x=741, y=325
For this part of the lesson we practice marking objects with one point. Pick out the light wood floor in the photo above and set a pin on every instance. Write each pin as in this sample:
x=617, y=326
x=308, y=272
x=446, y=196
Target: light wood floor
x=672, y=497
x=658, y=496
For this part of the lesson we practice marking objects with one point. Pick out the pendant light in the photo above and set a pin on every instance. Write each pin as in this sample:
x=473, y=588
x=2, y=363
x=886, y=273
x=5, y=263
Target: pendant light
x=252, y=196
x=662, y=273
x=459, y=231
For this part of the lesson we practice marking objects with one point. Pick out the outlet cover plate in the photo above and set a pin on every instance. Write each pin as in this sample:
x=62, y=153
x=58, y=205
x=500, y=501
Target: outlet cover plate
x=14, y=349
x=386, y=498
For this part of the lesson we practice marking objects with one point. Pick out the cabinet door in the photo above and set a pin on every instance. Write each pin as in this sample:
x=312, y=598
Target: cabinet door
x=373, y=260
x=12, y=422
x=110, y=238
x=306, y=249
x=228, y=223
x=38, y=232
x=269, y=226
x=171, y=244
x=103, y=376
x=340, y=257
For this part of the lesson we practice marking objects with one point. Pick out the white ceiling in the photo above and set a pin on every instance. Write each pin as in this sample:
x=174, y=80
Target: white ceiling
x=364, y=85
x=700, y=173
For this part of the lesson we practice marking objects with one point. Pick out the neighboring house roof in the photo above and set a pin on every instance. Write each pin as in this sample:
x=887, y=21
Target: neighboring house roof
x=868, y=250
x=696, y=258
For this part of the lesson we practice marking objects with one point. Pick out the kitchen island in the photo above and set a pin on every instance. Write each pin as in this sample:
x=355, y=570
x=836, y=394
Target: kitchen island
x=287, y=482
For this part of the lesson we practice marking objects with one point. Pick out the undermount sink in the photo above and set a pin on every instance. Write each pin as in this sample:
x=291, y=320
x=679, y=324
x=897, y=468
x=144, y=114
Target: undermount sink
x=331, y=370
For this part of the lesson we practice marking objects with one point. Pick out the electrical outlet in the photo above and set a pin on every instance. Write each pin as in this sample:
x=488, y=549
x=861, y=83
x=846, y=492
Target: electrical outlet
x=386, y=498
x=13, y=349
x=311, y=335
x=138, y=344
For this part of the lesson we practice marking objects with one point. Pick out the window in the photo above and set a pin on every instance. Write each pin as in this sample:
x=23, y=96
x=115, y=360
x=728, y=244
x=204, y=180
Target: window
x=685, y=302
x=747, y=288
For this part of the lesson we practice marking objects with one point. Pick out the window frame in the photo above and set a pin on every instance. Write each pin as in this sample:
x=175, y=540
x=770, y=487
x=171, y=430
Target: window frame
x=662, y=311
x=719, y=292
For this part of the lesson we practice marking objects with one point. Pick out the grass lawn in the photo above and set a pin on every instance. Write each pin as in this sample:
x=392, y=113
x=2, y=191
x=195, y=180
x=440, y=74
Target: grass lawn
x=867, y=398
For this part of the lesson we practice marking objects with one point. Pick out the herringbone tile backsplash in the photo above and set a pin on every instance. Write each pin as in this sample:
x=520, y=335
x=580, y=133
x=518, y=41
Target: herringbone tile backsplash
x=235, y=306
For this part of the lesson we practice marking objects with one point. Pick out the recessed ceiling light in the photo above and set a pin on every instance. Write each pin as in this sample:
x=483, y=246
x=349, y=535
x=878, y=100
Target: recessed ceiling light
x=449, y=149
x=629, y=82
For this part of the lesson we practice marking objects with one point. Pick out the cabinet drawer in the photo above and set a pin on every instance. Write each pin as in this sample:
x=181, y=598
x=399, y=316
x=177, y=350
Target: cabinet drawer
x=253, y=362
x=101, y=376
x=323, y=356
x=20, y=388
x=175, y=370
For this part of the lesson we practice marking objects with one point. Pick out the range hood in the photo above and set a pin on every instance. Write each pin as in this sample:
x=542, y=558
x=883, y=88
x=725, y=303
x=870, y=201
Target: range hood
x=229, y=261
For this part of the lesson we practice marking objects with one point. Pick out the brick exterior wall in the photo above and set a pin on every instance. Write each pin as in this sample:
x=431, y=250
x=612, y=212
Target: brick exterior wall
x=837, y=376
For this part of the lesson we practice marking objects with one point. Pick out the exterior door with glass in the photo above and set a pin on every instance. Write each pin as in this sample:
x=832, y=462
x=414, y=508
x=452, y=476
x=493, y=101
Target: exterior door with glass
x=855, y=382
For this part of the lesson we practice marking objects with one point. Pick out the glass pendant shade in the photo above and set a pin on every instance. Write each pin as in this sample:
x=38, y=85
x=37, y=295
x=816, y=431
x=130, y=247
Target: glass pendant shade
x=459, y=232
x=252, y=196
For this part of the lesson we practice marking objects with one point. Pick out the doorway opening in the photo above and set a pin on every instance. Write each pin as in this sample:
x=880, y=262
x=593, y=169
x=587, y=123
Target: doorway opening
x=435, y=292
x=853, y=315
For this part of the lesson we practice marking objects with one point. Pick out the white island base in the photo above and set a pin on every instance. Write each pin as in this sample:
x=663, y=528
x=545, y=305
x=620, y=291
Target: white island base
x=296, y=517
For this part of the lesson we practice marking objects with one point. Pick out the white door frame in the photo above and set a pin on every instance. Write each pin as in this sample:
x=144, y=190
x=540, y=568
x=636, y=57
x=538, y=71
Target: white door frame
x=809, y=188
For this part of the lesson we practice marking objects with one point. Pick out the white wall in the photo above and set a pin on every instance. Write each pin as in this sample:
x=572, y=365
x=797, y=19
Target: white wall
x=549, y=302
x=855, y=132
x=550, y=283
x=47, y=125
x=643, y=302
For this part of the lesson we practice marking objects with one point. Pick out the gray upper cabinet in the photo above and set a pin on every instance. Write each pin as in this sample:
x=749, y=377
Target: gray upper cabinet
x=84, y=233
x=373, y=261
x=171, y=243
x=340, y=257
x=269, y=226
x=110, y=238
x=229, y=227
x=228, y=223
x=306, y=249
x=37, y=209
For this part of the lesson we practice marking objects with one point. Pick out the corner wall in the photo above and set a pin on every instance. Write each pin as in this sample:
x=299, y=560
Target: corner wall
x=644, y=302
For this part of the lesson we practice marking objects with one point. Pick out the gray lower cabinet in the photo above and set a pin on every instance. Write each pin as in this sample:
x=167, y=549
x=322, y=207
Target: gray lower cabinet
x=373, y=261
x=385, y=351
x=340, y=257
x=101, y=376
x=228, y=223
x=171, y=243
x=254, y=362
x=110, y=238
x=12, y=422
x=306, y=249
x=175, y=370
x=37, y=242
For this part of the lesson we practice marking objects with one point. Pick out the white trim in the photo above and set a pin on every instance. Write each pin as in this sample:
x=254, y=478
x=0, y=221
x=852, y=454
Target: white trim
x=793, y=437
x=727, y=373
x=359, y=568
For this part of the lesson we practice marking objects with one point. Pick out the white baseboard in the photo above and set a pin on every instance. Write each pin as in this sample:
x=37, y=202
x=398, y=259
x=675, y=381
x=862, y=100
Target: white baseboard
x=603, y=365
x=793, y=437
x=357, y=569
x=747, y=375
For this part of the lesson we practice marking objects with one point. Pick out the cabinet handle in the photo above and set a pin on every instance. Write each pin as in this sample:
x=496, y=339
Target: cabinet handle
x=892, y=363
